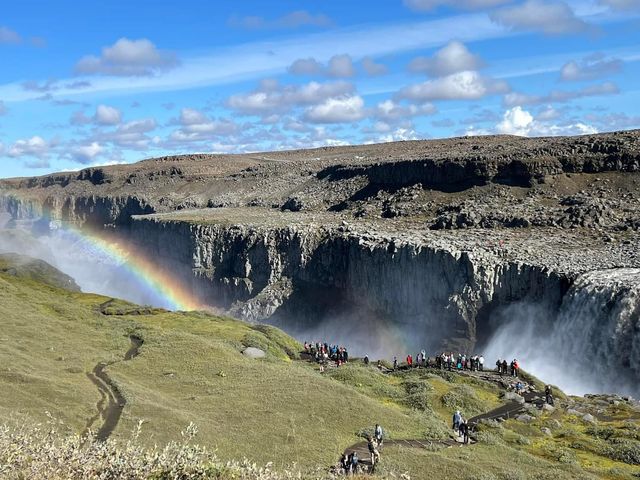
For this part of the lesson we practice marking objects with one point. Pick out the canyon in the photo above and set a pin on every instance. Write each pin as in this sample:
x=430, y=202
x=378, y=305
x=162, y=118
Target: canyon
x=505, y=245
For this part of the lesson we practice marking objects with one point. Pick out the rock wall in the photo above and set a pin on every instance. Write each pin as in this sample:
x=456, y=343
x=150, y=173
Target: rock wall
x=297, y=278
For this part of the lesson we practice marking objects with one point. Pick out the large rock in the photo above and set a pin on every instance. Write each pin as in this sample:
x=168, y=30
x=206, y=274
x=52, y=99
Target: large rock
x=253, y=352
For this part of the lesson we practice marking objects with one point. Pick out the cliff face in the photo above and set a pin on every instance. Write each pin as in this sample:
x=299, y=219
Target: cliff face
x=299, y=278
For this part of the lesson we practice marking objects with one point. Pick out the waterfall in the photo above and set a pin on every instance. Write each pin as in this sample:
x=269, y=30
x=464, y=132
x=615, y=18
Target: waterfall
x=590, y=345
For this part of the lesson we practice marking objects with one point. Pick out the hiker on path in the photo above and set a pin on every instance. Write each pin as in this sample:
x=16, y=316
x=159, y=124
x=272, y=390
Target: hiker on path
x=464, y=431
x=366, y=359
x=409, y=360
x=457, y=418
x=373, y=451
x=345, y=463
x=504, y=367
x=354, y=463
x=548, y=393
x=481, y=363
x=515, y=367
x=378, y=434
x=395, y=364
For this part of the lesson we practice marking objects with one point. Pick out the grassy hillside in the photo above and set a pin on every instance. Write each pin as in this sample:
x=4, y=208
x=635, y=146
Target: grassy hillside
x=191, y=370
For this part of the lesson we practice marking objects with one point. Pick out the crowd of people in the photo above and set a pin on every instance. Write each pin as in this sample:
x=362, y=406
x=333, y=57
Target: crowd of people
x=323, y=353
x=444, y=361
x=505, y=368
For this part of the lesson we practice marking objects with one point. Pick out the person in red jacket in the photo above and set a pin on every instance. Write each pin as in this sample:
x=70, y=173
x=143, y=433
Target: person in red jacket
x=409, y=360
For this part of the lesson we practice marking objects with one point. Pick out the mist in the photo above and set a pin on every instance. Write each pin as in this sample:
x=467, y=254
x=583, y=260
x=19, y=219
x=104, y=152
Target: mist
x=589, y=345
x=92, y=269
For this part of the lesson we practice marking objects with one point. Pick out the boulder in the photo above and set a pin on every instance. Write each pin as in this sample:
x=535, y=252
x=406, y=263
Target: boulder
x=525, y=418
x=514, y=397
x=253, y=352
x=589, y=418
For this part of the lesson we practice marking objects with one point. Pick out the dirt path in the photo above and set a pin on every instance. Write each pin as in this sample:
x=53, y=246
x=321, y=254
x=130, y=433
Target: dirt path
x=504, y=412
x=112, y=402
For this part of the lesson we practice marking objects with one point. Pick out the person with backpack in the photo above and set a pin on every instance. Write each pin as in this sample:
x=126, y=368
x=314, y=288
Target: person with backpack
x=378, y=434
x=464, y=431
x=345, y=463
x=548, y=393
x=373, y=451
x=354, y=463
x=457, y=418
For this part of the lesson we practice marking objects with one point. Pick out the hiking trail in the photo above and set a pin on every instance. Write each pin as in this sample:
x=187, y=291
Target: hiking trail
x=112, y=402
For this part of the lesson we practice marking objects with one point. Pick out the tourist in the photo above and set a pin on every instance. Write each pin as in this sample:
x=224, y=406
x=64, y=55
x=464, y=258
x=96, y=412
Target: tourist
x=548, y=393
x=378, y=434
x=409, y=360
x=457, y=418
x=481, y=363
x=366, y=359
x=504, y=367
x=373, y=451
x=354, y=463
x=395, y=363
x=463, y=431
x=345, y=463
x=515, y=367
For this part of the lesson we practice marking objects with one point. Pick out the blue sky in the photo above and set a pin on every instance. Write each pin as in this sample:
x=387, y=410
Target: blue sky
x=93, y=83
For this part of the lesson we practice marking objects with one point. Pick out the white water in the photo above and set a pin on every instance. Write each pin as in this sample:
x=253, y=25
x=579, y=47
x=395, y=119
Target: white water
x=591, y=345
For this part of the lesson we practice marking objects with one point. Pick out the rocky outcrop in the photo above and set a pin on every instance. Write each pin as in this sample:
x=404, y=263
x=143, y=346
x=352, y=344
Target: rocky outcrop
x=297, y=277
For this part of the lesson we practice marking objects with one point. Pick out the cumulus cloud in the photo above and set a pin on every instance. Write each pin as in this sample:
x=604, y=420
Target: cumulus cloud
x=297, y=19
x=337, y=110
x=9, y=36
x=338, y=66
x=391, y=111
x=560, y=96
x=85, y=154
x=452, y=58
x=196, y=126
x=106, y=115
x=552, y=18
x=590, y=68
x=306, y=66
x=426, y=5
x=133, y=134
x=127, y=58
x=467, y=85
x=35, y=146
x=372, y=68
x=341, y=66
x=271, y=97
x=623, y=5
x=517, y=121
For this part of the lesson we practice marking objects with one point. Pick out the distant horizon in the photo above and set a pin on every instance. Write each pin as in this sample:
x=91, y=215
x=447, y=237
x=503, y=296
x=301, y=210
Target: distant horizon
x=97, y=85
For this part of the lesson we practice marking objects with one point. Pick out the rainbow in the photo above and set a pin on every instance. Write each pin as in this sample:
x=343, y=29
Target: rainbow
x=159, y=281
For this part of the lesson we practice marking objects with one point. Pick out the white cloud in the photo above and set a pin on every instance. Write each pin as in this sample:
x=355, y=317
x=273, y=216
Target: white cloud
x=560, y=96
x=272, y=97
x=398, y=135
x=372, y=68
x=341, y=66
x=196, y=126
x=452, y=58
x=624, y=5
x=128, y=135
x=517, y=121
x=552, y=18
x=297, y=19
x=426, y=5
x=306, y=66
x=337, y=110
x=86, y=153
x=390, y=111
x=9, y=36
x=35, y=146
x=549, y=113
x=106, y=115
x=338, y=66
x=128, y=58
x=590, y=68
x=467, y=85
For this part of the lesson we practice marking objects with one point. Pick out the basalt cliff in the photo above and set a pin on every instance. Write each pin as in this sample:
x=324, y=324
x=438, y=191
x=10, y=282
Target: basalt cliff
x=443, y=244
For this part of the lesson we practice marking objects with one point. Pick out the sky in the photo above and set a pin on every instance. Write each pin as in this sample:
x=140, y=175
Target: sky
x=98, y=83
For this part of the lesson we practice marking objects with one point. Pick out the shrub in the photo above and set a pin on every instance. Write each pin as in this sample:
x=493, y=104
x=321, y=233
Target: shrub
x=463, y=398
x=623, y=450
x=418, y=394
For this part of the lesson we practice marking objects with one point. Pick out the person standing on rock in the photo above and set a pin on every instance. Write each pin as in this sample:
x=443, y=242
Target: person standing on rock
x=378, y=434
x=504, y=367
x=548, y=393
x=354, y=463
x=395, y=363
x=481, y=363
